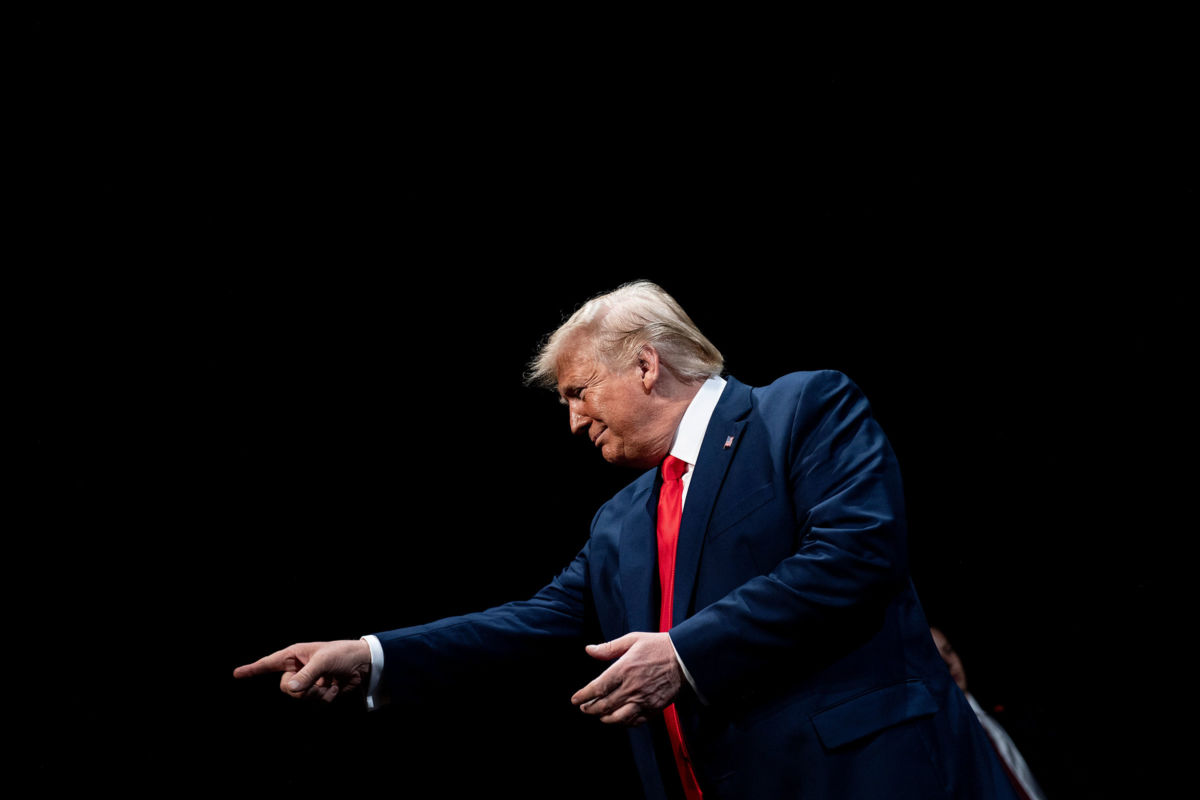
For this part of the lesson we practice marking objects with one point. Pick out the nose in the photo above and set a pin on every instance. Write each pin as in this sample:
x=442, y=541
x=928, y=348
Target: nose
x=579, y=422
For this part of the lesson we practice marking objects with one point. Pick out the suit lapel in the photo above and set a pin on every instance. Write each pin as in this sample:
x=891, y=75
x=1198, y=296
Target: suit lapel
x=638, y=547
x=725, y=426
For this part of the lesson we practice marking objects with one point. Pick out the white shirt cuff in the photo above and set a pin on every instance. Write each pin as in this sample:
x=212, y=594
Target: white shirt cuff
x=373, y=699
x=686, y=674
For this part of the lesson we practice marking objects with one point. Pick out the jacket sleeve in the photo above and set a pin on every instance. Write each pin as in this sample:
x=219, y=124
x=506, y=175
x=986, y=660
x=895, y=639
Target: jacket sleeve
x=845, y=487
x=422, y=659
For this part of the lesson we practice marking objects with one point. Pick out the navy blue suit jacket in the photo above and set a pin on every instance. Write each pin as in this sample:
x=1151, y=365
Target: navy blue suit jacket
x=815, y=672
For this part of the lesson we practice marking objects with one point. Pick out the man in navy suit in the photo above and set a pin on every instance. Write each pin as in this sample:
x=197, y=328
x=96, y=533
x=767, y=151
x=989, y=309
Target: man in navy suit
x=789, y=656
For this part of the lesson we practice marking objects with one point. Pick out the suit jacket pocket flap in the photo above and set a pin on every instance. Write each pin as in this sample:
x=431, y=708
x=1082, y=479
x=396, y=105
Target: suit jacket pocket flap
x=872, y=712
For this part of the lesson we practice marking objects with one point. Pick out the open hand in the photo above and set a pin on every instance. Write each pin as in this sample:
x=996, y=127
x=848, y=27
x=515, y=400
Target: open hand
x=644, y=679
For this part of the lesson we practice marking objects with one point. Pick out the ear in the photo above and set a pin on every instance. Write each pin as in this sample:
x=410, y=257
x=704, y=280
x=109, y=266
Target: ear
x=649, y=367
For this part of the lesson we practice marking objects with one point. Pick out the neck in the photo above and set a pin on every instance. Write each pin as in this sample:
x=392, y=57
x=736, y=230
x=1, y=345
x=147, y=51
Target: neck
x=673, y=404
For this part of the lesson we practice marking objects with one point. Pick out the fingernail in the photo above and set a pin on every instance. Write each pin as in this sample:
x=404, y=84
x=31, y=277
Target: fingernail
x=294, y=686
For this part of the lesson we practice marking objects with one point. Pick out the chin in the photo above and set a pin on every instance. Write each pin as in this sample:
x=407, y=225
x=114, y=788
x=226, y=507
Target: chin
x=617, y=459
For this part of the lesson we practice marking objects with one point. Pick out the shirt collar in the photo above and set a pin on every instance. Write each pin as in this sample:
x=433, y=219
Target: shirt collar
x=690, y=434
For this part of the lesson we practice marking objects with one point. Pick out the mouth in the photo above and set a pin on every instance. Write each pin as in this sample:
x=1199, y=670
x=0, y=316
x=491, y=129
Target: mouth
x=596, y=438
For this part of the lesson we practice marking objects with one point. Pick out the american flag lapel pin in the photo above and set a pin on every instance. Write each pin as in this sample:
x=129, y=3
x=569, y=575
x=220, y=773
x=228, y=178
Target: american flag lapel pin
x=728, y=442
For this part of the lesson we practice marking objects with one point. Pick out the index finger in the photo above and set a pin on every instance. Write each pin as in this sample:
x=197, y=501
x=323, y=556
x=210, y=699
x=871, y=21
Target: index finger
x=278, y=661
x=601, y=686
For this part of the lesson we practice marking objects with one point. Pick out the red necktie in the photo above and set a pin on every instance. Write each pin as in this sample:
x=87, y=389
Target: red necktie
x=670, y=509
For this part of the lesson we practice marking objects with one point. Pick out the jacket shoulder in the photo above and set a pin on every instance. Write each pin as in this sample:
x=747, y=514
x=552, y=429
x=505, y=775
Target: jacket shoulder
x=825, y=379
x=816, y=386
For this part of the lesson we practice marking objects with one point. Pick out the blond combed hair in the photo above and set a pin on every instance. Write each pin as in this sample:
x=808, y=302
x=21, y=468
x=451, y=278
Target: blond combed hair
x=616, y=326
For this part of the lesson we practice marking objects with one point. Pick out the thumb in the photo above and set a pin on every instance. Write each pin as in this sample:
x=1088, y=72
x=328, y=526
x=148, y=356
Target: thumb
x=300, y=681
x=306, y=676
x=612, y=649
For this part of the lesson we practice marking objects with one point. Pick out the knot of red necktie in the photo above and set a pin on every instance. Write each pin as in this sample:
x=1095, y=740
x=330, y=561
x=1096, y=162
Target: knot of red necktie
x=673, y=468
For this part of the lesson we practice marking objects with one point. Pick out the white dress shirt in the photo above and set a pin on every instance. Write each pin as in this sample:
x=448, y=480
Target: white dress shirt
x=1007, y=750
x=688, y=438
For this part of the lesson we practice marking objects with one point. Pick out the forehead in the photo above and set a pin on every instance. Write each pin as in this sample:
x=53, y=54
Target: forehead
x=576, y=365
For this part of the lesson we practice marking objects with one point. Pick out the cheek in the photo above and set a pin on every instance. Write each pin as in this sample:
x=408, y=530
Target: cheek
x=605, y=412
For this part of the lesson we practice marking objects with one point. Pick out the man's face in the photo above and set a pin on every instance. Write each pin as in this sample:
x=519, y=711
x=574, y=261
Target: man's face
x=950, y=656
x=612, y=406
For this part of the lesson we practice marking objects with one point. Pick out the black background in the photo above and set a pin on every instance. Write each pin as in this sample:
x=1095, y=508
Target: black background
x=275, y=279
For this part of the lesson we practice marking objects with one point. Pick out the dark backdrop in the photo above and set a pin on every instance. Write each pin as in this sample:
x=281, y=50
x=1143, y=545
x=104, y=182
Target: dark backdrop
x=276, y=280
